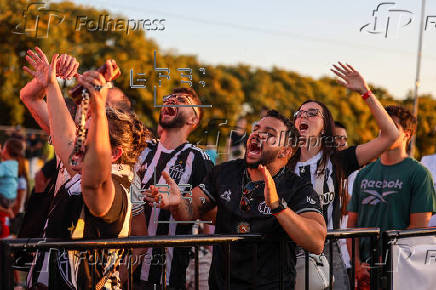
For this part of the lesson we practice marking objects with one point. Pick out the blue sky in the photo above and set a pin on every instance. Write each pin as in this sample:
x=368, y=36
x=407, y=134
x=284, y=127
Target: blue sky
x=304, y=36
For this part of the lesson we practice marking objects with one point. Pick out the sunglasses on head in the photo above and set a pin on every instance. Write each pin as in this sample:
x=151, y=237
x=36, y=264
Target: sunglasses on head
x=309, y=113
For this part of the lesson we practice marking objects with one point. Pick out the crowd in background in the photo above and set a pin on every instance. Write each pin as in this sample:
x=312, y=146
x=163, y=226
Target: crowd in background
x=327, y=185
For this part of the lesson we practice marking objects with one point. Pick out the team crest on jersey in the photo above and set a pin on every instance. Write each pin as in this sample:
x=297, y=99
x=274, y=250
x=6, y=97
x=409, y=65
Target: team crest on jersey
x=226, y=195
x=263, y=208
x=176, y=171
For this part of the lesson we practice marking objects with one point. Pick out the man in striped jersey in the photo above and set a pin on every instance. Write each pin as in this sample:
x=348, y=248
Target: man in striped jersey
x=187, y=165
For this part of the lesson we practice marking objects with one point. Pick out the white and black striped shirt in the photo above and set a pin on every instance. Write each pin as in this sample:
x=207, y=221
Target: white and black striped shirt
x=187, y=164
x=330, y=184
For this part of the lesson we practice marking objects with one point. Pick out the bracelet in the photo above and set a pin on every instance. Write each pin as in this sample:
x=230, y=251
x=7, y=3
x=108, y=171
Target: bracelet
x=367, y=94
x=275, y=214
x=108, y=85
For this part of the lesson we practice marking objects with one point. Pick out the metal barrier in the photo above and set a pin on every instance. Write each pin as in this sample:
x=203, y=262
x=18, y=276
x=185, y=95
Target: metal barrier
x=9, y=246
x=372, y=233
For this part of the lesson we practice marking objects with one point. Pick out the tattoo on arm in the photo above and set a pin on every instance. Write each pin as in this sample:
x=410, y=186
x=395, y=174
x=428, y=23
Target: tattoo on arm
x=188, y=206
x=206, y=205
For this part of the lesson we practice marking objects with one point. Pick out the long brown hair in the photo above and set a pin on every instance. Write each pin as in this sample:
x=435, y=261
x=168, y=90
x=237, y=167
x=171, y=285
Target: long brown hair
x=127, y=131
x=328, y=148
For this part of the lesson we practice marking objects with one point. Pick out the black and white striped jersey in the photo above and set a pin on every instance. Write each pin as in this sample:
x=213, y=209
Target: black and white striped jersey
x=187, y=165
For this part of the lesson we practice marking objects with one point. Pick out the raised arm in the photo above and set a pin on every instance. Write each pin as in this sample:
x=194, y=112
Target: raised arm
x=307, y=229
x=62, y=127
x=97, y=187
x=32, y=95
x=351, y=79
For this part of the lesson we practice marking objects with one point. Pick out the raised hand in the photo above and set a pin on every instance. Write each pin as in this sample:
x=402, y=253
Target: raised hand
x=67, y=66
x=33, y=90
x=270, y=191
x=350, y=78
x=97, y=88
x=165, y=198
x=44, y=72
x=112, y=70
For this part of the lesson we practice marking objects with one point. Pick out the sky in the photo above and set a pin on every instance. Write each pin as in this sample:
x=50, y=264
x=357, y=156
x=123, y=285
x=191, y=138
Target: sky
x=303, y=36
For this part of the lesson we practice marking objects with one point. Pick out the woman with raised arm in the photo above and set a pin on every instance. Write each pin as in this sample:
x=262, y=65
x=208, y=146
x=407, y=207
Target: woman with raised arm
x=95, y=202
x=319, y=161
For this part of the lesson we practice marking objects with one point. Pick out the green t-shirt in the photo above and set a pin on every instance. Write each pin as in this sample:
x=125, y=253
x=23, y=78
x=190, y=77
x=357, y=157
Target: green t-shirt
x=385, y=196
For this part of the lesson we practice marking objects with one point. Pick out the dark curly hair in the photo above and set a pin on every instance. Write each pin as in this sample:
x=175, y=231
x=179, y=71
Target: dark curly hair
x=407, y=120
x=128, y=132
x=292, y=135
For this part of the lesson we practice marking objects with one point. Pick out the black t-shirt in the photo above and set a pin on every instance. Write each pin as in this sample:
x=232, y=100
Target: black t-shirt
x=70, y=218
x=49, y=168
x=255, y=265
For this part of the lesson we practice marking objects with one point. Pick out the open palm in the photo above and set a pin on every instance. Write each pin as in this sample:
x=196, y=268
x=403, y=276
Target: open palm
x=350, y=78
x=43, y=71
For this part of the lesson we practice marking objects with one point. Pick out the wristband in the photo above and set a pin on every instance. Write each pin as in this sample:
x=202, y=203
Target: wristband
x=367, y=94
x=276, y=213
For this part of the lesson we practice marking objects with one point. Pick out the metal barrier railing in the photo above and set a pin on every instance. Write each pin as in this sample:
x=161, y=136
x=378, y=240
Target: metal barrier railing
x=31, y=245
x=372, y=233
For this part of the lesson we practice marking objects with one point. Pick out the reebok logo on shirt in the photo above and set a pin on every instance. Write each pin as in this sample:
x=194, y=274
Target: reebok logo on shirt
x=375, y=195
x=381, y=184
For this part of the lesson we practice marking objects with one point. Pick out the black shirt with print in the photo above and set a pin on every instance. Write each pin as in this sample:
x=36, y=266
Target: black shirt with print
x=255, y=265
x=62, y=219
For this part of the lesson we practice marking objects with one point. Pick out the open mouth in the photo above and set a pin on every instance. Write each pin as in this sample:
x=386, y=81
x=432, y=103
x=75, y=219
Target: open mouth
x=303, y=127
x=170, y=111
x=254, y=149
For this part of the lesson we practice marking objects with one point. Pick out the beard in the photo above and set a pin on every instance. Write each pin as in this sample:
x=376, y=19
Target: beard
x=178, y=122
x=265, y=158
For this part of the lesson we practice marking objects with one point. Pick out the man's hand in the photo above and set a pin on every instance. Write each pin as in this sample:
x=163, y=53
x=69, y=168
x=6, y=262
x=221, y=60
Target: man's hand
x=67, y=67
x=170, y=196
x=362, y=273
x=270, y=191
x=93, y=80
x=32, y=91
x=351, y=79
x=44, y=72
x=11, y=213
x=112, y=70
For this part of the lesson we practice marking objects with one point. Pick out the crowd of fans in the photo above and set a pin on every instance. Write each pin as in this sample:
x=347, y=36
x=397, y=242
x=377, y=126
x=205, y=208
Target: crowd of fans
x=287, y=178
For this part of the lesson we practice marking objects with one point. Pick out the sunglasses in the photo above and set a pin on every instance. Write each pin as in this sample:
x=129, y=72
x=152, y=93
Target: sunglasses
x=183, y=99
x=309, y=113
x=246, y=198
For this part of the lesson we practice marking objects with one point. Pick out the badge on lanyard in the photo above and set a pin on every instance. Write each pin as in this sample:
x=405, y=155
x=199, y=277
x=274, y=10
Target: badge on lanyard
x=243, y=227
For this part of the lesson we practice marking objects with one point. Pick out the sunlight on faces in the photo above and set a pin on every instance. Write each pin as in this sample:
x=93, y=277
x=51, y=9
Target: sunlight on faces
x=177, y=117
x=341, y=138
x=263, y=144
x=310, y=126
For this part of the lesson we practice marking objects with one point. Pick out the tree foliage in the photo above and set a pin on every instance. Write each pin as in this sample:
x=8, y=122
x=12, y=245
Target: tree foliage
x=228, y=88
